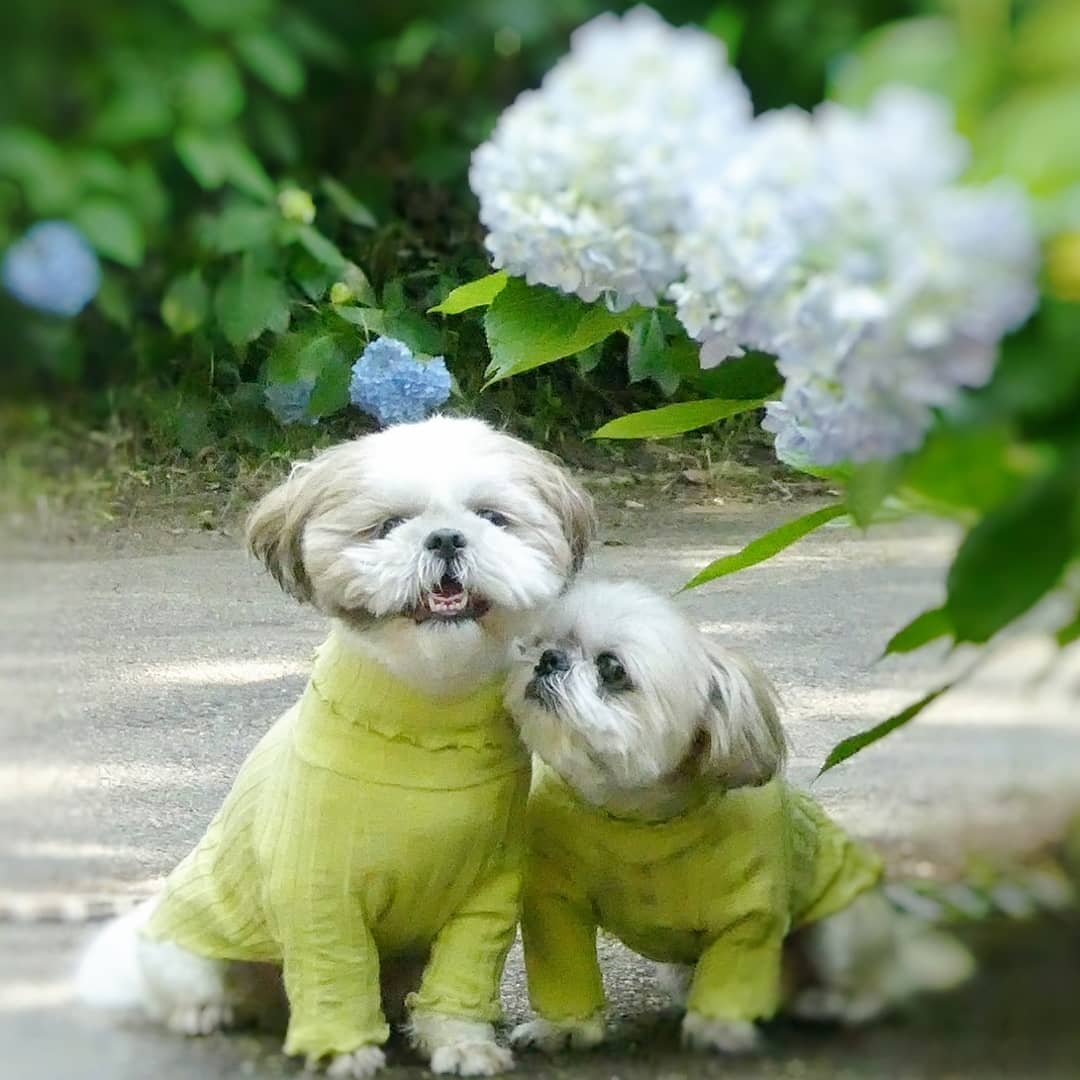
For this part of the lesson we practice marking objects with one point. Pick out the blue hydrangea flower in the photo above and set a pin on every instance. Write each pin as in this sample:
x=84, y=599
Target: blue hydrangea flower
x=389, y=383
x=53, y=269
x=289, y=401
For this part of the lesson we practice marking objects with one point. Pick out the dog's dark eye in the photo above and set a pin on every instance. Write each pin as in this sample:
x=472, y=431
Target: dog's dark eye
x=612, y=674
x=386, y=527
x=494, y=516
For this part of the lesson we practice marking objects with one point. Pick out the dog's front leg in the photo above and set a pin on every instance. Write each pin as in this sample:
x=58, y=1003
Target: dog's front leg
x=331, y=971
x=737, y=981
x=565, y=986
x=458, y=1001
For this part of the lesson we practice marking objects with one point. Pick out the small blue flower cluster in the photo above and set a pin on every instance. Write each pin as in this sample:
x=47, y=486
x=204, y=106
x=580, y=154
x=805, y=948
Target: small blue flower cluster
x=52, y=269
x=389, y=383
x=289, y=401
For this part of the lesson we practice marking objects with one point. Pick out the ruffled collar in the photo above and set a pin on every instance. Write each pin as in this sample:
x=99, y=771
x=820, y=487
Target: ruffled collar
x=359, y=719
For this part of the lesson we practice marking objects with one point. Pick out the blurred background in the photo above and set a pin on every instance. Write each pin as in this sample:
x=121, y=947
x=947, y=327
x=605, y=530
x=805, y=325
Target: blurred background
x=228, y=161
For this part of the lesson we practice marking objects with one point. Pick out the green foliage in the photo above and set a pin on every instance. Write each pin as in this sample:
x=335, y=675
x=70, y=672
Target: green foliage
x=473, y=294
x=674, y=419
x=929, y=626
x=850, y=746
x=765, y=547
x=528, y=326
x=169, y=131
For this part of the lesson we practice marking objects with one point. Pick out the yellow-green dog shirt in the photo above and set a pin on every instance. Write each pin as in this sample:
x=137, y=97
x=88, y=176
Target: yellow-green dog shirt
x=369, y=821
x=719, y=887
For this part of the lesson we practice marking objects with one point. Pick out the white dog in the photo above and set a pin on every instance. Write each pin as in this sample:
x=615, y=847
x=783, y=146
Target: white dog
x=654, y=817
x=378, y=823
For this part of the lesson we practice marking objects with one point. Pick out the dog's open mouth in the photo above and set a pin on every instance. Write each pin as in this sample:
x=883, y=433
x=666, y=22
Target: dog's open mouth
x=450, y=601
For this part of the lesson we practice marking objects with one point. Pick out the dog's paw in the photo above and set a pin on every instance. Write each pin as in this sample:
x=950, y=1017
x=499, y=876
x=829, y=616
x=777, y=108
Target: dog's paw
x=200, y=1019
x=358, y=1064
x=720, y=1036
x=478, y=1058
x=551, y=1037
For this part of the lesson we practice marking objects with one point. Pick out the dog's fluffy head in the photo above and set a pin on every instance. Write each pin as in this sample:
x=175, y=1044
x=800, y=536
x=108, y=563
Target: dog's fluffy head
x=426, y=540
x=620, y=692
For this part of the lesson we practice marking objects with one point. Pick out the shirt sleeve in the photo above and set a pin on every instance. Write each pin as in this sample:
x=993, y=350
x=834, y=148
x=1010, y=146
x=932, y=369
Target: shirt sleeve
x=465, y=968
x=558, y=927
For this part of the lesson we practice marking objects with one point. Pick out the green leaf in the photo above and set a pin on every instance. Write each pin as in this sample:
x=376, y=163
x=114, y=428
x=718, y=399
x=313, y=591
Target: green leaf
x=473, y=294
x=249, y=301
x=752, y=375
x=40, y=169
x=228, y=14
x=320, y=248
x=346, y=204
x=114, y=300
x=764, y=547
x=321, y=355
x=112, y=229
x=868, y=488
x=850, y=746
x=100, y=172
x=244, y=171
x=211, y=92
x=529, y=326
x=1070, y=632
x=408, y=326
x=1011, y=559
x=185, y=304
x=139, y=110
x=216, y=159
x=1031, y=136
x=272, y=61
x=202, y=157
x=331, y=390
x=964, y=468
x=924, y=628
x=1048, y=40
x=313, y=40
x=303, y=355
x=647, y=355
x=358, y=282
x=671, y=420
x=371, y=321
x=240, y=227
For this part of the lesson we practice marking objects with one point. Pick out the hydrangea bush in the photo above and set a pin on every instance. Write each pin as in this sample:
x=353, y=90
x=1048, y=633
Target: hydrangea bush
x=858, y=247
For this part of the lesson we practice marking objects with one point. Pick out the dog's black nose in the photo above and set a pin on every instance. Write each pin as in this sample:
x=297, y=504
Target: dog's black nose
x=445, y=543
x=551, y=660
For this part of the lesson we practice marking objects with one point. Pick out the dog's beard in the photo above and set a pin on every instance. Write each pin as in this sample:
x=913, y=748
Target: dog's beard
x=442, y=626
x=398, y=582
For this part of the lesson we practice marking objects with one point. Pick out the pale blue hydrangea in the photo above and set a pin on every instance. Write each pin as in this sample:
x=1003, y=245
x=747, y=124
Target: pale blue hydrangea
x=389, y=383
x=842, y=243
x=52, y=268
x=289, y=402
x=582, y=181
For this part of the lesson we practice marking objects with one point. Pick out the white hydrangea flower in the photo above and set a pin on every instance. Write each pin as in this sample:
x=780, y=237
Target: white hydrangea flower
x=841, y=243
x=582, y=181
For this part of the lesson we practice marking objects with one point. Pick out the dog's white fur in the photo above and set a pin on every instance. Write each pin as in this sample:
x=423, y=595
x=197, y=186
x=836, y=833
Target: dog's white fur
x=693, y=709
x=322, y=535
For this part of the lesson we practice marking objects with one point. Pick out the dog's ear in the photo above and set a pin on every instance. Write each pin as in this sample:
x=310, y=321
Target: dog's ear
x=275, y=527
x=572, y=504
x=275, y=533
x=745, y=743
